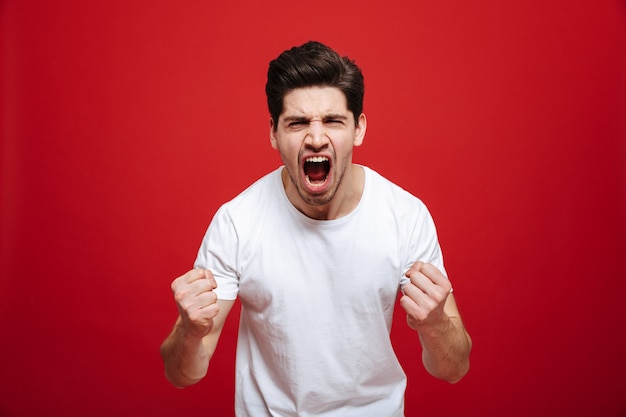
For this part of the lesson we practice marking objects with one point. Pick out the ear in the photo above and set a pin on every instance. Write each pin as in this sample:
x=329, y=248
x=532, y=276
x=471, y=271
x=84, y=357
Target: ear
x=359, y=133
x=273, y=138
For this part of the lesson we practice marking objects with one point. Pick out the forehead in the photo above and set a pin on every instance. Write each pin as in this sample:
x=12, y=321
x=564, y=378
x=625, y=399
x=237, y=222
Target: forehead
x=314, y=102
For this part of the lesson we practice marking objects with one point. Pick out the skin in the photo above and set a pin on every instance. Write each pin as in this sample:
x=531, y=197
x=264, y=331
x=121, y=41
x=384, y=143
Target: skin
x=433, y=313
x=316, y=122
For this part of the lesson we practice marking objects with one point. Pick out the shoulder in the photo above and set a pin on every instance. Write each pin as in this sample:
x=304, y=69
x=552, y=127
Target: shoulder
x=265, y=189
x=261, y=200
x=386, y=201
x=383, y=189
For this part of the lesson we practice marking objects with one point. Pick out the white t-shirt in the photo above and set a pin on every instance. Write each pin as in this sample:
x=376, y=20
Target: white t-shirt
x=317, y=297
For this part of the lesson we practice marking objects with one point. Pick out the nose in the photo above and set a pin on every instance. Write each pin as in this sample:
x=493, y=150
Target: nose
x=316, y=134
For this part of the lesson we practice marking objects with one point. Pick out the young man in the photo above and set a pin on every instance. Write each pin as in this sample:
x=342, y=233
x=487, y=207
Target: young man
x=317, y=252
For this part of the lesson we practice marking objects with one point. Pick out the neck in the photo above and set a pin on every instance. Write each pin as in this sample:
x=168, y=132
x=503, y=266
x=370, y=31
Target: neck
x=343, y=203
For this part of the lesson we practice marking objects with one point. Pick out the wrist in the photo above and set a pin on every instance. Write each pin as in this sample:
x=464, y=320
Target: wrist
x=435, y=328
x=189, y=335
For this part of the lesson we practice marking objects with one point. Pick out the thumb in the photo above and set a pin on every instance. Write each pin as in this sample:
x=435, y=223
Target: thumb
x=209, y=275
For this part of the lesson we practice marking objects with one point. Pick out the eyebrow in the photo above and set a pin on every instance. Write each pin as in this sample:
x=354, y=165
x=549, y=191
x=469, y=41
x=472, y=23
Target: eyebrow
x=330, y=116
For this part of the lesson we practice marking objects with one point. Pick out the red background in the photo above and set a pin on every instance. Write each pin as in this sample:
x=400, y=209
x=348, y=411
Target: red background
x=125, y=124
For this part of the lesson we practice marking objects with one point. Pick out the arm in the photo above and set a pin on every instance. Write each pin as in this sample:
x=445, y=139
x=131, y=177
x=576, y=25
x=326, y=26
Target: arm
x=186, y=352
x=433, y=313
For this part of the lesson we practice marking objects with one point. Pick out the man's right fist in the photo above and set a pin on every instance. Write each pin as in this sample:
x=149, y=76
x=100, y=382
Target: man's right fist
x=196, y=301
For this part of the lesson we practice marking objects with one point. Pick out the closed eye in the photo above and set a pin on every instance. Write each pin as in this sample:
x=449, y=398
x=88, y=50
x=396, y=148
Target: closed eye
x=296, y=126
x=334, y=123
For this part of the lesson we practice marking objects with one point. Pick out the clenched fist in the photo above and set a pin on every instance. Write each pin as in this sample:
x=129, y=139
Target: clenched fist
x=425, y=296
x=196, y=301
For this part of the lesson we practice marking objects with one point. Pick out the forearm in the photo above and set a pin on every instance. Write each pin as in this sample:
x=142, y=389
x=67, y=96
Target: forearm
x=446, y=349
x=185, y=358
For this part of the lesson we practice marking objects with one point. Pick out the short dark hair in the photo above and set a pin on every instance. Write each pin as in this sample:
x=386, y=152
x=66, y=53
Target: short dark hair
x=313, y=64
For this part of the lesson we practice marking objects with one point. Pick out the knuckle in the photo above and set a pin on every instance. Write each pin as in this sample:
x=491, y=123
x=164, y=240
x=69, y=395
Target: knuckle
x=180, y=296
x=443, y=293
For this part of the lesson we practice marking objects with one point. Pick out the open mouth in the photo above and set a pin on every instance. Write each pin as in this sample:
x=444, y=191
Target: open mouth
x=316, y=170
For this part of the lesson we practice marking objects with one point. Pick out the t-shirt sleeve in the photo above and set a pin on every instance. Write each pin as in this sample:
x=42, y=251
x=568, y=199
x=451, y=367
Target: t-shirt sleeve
x=218, y=253
x=423, y=244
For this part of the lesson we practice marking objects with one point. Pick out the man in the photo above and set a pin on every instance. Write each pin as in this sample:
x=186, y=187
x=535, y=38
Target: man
x=317, y=252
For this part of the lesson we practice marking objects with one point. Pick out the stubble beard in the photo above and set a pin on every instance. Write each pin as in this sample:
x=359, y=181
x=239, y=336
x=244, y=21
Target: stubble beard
x=318, y=200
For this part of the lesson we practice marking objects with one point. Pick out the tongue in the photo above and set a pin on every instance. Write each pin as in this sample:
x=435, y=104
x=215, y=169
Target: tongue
x=316, y=172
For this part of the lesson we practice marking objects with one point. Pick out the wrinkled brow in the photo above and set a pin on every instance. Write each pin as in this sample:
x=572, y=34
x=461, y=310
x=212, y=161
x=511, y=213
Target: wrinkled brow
x=330, y=116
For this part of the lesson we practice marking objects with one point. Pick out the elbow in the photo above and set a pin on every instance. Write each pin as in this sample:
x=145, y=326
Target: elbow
x=180, y=381
x=176, y=375
x=460, y=373
x=174, y=382
x=452, y=374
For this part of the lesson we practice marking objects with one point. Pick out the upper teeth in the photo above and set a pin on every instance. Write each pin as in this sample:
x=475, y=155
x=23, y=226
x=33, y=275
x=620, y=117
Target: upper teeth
x=317, y=159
